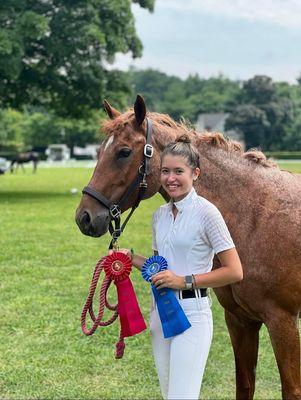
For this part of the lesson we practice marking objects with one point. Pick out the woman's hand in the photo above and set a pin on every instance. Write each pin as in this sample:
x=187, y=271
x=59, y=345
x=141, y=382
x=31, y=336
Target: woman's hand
x=169, y=280
x=127, y=252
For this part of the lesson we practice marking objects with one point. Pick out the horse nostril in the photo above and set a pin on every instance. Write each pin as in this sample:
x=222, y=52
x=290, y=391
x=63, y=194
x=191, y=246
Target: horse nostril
x=86, y=219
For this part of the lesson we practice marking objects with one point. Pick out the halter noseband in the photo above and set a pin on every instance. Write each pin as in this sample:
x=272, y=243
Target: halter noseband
x=140, y=180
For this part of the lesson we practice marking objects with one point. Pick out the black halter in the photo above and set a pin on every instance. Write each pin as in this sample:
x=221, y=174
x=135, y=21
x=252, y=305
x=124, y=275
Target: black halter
x=140, y=180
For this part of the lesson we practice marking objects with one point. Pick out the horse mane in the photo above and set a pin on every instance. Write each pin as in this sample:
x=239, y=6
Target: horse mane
x=213, y=139
x=218, y=140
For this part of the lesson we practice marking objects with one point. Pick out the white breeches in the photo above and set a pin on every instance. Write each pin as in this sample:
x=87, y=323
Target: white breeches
x=181, y=360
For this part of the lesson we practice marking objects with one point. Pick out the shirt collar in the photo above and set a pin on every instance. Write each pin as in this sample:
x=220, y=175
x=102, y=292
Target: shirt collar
x=188, y=199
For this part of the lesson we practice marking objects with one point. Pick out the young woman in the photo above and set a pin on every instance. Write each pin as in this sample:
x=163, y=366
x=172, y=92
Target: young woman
x=187, y=232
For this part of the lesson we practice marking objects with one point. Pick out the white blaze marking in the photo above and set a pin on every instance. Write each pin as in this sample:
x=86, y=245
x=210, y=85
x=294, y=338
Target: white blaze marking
x=109, y=142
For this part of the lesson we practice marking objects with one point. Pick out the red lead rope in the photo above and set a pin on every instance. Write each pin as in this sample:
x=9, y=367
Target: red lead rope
x=120, y=345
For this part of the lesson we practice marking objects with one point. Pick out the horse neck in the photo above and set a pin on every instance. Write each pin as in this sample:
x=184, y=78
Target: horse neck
x=226, y=180
x=230, y=183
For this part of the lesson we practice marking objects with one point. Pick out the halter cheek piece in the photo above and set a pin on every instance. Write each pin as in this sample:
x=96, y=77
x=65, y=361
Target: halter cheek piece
x=140, y=180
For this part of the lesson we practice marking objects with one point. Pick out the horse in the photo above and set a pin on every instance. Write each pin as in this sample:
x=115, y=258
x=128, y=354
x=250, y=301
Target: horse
x=261, y=205
x=25, y=157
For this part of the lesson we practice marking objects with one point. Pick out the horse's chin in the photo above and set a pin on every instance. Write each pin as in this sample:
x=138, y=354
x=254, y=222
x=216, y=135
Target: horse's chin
x=93, y=232
x=94, y=227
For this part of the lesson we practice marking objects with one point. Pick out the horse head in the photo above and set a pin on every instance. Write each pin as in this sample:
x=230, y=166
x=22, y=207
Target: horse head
x=119, y=163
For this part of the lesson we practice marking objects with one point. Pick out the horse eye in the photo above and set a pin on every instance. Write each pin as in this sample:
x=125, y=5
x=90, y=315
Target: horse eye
x=123, y=153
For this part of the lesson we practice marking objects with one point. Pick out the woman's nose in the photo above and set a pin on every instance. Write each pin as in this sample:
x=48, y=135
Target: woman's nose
x=171, y=177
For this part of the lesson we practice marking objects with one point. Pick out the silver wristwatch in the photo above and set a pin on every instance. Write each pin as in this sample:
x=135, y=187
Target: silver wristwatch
x=188, y=282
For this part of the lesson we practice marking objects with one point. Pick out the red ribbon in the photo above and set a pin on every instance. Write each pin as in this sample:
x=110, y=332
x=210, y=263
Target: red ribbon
x=117, y=267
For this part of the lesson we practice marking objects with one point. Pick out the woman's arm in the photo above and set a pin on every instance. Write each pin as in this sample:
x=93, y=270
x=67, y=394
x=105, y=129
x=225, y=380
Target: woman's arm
x=230, y=272
x=138, y=261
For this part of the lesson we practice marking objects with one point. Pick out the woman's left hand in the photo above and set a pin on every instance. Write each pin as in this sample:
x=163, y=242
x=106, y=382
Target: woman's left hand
x=169, y=280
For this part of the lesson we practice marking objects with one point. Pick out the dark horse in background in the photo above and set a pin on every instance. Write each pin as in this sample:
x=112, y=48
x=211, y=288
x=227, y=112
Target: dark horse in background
x=25, y=157
x=262, y=207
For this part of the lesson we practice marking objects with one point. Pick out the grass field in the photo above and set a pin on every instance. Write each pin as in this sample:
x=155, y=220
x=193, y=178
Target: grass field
x=45, y=270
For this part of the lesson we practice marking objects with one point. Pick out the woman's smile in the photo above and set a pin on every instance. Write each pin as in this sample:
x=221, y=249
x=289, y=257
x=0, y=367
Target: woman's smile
x=176, y=177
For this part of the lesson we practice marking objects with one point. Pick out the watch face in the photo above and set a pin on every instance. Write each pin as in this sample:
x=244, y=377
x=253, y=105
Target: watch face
x=188, y=279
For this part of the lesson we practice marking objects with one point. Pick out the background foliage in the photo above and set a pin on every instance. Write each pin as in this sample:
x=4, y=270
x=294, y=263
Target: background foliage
x=56, y=68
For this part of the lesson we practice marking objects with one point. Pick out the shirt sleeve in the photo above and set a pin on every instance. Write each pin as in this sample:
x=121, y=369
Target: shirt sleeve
x=216, y=231
x=154, y=242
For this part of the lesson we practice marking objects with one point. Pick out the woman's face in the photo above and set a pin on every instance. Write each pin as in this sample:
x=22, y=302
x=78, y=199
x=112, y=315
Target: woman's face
x=177, y=176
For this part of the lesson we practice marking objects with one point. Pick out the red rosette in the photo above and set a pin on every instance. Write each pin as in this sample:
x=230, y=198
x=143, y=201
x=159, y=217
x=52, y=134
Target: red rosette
x=117, y=266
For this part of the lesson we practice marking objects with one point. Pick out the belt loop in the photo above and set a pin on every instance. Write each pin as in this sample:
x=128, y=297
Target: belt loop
x=197, y=298
x=180, y=295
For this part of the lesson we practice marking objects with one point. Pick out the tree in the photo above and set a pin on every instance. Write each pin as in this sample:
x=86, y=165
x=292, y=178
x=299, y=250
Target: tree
x=12, y=127
x=41, y=129
x=252, y=122
x=258, y=90
x=53, y=52
x=187, y=98
x=152, y=84
x=265, y=116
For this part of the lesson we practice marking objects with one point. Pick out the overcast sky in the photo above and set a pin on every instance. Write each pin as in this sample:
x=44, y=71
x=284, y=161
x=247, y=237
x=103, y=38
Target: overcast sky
x=238, y=38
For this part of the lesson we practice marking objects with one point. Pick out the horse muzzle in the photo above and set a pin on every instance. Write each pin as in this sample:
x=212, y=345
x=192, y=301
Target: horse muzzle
x=91, y=224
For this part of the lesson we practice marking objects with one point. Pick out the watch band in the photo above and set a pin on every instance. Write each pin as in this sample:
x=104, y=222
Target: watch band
x=194, y=282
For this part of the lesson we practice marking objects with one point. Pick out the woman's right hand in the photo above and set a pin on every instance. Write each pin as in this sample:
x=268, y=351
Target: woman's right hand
x=127, y=252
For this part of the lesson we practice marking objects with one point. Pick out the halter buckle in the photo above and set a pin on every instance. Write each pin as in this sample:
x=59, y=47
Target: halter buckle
x=148, y=150
x=116, y=234
x=115, y=211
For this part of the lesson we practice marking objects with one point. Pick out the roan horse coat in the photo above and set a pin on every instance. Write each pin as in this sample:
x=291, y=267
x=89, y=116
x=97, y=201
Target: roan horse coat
x=262, y=207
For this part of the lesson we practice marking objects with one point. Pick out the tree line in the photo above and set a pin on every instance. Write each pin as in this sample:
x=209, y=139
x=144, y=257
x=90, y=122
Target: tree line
x=266, y=113
x=54, y=74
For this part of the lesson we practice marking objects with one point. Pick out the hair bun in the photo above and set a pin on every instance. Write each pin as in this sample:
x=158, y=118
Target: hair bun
x=183, y=139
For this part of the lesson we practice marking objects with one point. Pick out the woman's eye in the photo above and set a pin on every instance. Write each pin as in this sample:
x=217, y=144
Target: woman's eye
x=123, y=153
x=179, y=171
x=164, y=171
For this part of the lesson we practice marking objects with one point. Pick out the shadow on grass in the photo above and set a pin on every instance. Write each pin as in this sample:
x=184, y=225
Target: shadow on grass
x=16, y=197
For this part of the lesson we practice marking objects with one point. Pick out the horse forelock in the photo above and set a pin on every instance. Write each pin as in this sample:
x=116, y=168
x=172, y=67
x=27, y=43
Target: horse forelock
x=110, y=126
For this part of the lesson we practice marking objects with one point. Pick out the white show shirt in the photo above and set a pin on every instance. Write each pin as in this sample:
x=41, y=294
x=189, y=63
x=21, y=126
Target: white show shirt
x=189, y=241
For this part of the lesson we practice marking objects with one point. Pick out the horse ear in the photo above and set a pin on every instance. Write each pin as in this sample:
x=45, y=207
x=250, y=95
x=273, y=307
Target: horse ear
x=111, y=111
x=140, y=109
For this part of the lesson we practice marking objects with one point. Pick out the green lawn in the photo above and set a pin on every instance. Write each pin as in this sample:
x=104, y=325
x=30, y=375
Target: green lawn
x=45, y=270
x=293, y=166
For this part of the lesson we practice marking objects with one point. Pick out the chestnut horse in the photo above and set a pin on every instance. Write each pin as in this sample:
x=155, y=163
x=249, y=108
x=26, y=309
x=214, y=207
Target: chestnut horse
x=262, y=207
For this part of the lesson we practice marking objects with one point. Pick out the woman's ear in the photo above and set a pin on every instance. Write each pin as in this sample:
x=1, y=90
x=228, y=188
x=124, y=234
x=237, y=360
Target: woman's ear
x=196, y=173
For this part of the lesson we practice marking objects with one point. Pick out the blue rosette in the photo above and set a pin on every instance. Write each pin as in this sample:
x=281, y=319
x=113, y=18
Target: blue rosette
x=172, y=316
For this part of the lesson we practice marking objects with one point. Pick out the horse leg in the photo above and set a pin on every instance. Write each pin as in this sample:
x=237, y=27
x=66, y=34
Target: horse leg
x=244, y=337
x=284, y=334
x=12, y=167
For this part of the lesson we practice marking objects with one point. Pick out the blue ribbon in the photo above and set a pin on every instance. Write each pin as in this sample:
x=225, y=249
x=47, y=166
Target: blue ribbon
x=172, y=316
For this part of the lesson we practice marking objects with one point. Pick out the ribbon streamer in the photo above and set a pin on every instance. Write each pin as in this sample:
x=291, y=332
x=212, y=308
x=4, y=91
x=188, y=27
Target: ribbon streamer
x=172, y=316
x=117, y=267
